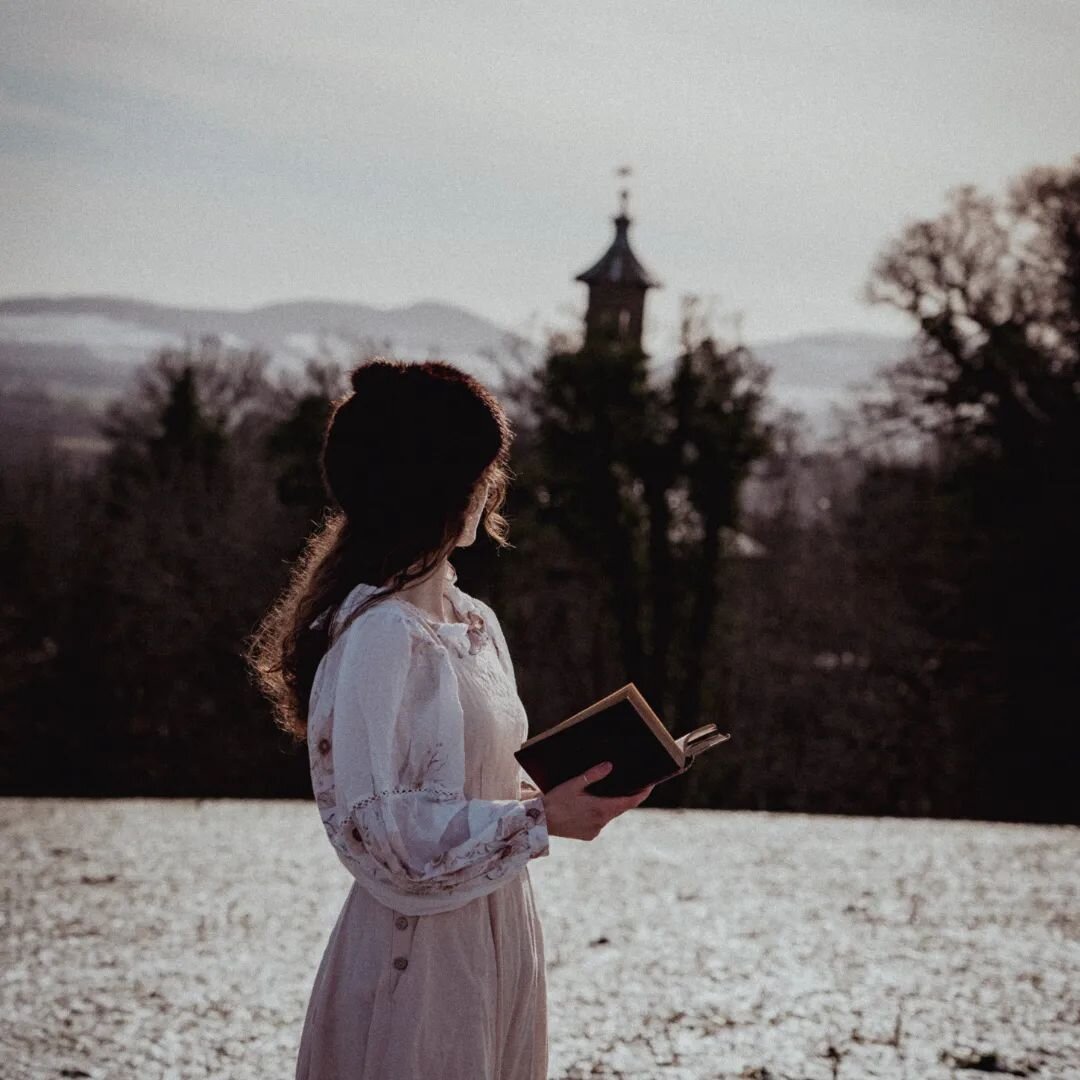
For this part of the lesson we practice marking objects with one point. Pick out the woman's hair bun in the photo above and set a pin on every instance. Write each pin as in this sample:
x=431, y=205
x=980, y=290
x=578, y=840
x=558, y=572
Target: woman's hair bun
x=374, y=372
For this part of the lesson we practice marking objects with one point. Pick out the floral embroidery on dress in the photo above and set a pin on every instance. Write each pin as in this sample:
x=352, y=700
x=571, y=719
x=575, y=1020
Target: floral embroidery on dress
x=466, y=638
x=477, y=631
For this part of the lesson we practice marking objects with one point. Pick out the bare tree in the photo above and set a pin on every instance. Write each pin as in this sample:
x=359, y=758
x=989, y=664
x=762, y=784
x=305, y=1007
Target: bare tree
x=993, y=287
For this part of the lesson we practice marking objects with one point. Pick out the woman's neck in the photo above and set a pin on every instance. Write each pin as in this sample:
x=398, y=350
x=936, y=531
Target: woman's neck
x=429, y=593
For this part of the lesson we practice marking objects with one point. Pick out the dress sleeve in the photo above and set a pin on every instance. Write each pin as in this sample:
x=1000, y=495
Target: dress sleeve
x=403, y=826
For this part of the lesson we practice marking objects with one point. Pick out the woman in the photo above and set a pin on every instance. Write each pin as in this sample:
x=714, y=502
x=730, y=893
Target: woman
x=403, y=687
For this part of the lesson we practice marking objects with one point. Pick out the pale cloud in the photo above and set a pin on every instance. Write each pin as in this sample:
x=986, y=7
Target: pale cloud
x=246, y=152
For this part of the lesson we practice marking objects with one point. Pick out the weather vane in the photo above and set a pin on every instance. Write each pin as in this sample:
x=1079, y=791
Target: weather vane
x=624, y=171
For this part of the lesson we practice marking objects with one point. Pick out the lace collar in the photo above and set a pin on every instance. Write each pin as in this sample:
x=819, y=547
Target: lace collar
x=466, y=637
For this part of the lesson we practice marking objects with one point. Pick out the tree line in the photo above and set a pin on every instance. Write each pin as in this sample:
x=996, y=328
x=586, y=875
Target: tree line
x=905, y=641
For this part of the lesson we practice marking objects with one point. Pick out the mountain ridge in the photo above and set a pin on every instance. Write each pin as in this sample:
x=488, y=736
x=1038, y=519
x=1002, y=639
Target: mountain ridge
x=455, y=327
x=82, y=343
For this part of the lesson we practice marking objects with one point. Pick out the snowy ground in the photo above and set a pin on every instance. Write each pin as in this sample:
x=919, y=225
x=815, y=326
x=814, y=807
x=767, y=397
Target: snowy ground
x=152, y=938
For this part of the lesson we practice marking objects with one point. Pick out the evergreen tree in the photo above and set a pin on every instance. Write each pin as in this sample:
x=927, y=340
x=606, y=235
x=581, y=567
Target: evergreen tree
x=642, y=478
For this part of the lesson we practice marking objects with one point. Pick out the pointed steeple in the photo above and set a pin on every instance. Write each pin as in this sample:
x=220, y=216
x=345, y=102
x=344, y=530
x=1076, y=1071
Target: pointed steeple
x=617, y=284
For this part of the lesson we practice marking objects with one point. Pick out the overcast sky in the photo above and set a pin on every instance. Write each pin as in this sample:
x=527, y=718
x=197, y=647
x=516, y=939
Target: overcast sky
x=238, y=153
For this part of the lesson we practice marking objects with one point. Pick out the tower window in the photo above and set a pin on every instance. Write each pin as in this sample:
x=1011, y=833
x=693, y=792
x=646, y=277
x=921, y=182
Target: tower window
x=624, y=322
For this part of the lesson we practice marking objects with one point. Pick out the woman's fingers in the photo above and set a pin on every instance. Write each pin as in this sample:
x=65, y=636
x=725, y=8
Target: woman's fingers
x=618, y=804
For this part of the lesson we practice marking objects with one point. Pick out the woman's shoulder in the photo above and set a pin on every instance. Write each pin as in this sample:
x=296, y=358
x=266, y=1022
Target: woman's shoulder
x=383, y=619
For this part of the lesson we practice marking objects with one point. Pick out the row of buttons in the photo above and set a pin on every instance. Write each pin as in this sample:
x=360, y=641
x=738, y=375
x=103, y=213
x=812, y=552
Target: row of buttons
x=401, y=962
x=402, y=923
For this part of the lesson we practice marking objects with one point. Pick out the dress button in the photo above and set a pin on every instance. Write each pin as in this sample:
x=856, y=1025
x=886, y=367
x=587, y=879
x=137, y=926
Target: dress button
x=401, y=963
x=401, y=922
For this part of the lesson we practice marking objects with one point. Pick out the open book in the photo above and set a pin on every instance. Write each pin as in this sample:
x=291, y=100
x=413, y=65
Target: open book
x=620, y=728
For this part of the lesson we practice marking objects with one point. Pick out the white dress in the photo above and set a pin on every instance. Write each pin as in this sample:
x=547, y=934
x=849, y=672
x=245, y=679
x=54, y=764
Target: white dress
x=435, y=966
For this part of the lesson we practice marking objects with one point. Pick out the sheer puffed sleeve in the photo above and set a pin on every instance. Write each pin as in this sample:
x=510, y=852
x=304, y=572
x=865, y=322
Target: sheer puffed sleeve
x=394, y=732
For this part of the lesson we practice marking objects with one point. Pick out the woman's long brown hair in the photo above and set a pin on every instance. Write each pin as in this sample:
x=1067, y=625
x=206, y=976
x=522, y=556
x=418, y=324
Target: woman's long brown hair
x=402, y=458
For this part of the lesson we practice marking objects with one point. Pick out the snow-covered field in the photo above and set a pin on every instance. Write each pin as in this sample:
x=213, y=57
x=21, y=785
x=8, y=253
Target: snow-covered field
x=155, y=938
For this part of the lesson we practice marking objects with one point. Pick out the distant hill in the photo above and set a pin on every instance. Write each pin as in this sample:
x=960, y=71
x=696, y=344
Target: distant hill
x=425, y=326
x=83, y=349
x=62, y=359
x=812, y=372
x=124, y=330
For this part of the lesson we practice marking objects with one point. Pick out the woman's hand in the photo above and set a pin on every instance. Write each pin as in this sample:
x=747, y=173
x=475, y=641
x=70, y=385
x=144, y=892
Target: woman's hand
x=528, y=790
x=572, y=812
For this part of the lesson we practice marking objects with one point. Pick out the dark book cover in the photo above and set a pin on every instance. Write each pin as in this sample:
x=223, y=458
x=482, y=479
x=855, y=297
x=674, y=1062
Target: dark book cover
x=620, y=728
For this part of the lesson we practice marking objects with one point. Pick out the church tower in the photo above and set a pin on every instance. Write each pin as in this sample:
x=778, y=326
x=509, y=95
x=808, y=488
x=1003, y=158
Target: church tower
x=617, y=284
